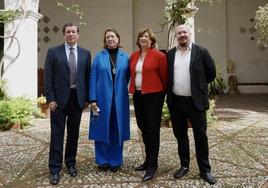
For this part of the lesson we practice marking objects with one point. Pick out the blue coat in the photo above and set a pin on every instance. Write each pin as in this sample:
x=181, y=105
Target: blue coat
x=101, y=89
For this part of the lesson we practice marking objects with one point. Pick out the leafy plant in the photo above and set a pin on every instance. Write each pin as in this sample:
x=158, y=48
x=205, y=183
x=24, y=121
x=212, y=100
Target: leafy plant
x=9, y=15
x=3, y=90
x=176, y=12
x=261, y=26
x=73, y=7
x=18, y=110
x=211, y=111
x=165, y=112
x=5, y=111
x=217, y=86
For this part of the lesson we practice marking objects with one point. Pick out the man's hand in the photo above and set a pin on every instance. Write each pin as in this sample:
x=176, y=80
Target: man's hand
x=86, y=105
x=52, y=106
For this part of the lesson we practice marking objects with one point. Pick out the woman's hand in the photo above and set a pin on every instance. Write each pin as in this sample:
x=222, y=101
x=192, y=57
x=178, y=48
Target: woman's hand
x=94, y=106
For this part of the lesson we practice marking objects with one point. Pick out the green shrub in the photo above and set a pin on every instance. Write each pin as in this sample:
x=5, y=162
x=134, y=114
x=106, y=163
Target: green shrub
x=210, y=112
x=18, y=110
x=217, y=86
x=3, y=93
x=5, y=112
x=165, y=112
x=165, y=115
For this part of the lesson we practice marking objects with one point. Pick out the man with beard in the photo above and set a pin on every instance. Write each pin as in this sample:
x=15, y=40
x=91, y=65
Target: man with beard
x=190, y=69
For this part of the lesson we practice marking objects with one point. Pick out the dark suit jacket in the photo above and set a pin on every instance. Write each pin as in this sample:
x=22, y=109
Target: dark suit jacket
x=202, y=72
x=57, y=76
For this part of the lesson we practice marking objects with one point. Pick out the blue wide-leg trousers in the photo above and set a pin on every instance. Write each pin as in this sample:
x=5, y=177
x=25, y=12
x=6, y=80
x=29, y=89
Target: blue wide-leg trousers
x=110, y=154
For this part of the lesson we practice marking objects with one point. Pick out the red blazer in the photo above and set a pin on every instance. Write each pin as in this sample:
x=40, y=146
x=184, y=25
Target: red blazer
x=154, y=72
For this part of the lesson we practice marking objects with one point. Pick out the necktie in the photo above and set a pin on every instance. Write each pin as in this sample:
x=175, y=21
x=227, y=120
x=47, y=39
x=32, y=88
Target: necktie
x=72, y=66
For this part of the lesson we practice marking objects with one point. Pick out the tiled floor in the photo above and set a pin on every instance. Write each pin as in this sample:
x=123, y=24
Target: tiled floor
x=238, y=152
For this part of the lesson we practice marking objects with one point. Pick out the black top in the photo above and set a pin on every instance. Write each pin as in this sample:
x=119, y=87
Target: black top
x=113, y=58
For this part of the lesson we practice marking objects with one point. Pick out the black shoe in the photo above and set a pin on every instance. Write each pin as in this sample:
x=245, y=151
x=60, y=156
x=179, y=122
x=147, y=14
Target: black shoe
x=72, y=171
x=181, y=172
x=141, y=167
x=114, y=168
x=149, y=174
x=54, y=179
x=208, y=178
x=103, y=167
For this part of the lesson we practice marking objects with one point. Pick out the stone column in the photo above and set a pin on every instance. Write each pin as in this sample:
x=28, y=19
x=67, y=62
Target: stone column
x=21, y=74
x=190, y=23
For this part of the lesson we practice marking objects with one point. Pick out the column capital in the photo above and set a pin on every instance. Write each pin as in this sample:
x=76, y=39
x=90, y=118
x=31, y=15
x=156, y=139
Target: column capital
x=25, y=4
x=33, y=15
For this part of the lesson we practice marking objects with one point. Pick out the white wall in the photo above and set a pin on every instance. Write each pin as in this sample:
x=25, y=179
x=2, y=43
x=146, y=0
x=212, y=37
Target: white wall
x=99, y=14
x=210, y=32
x=251, y=62
x=217, y=27
x=148, y=13
x=220, y=29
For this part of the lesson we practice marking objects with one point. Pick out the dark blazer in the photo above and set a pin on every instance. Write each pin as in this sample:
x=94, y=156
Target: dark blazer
x=57, y=79
x=202, y=72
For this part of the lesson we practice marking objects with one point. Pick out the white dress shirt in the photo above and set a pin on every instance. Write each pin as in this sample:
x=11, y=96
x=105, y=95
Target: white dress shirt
x=182, y=79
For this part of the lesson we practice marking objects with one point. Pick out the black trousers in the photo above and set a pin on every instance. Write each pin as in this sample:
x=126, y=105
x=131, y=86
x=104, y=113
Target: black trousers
x=181, y=109
x=72, y=113
x=148, y=111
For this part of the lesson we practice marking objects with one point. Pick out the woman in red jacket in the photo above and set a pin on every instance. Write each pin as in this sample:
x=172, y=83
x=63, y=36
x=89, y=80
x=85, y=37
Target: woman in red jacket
x=148, y=71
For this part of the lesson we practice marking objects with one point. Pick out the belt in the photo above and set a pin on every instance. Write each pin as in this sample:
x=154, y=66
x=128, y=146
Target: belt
x=186, y=98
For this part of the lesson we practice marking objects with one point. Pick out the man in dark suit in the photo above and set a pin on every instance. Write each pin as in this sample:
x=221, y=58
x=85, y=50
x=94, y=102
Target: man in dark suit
x=190, y=69
x=67, y=70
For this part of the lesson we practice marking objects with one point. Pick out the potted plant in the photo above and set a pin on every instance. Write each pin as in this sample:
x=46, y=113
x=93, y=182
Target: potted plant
x=16, y=113
x=42, y=104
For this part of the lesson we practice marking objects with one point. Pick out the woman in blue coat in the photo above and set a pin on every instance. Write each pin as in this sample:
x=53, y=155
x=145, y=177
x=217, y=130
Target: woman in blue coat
x=108, y=95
